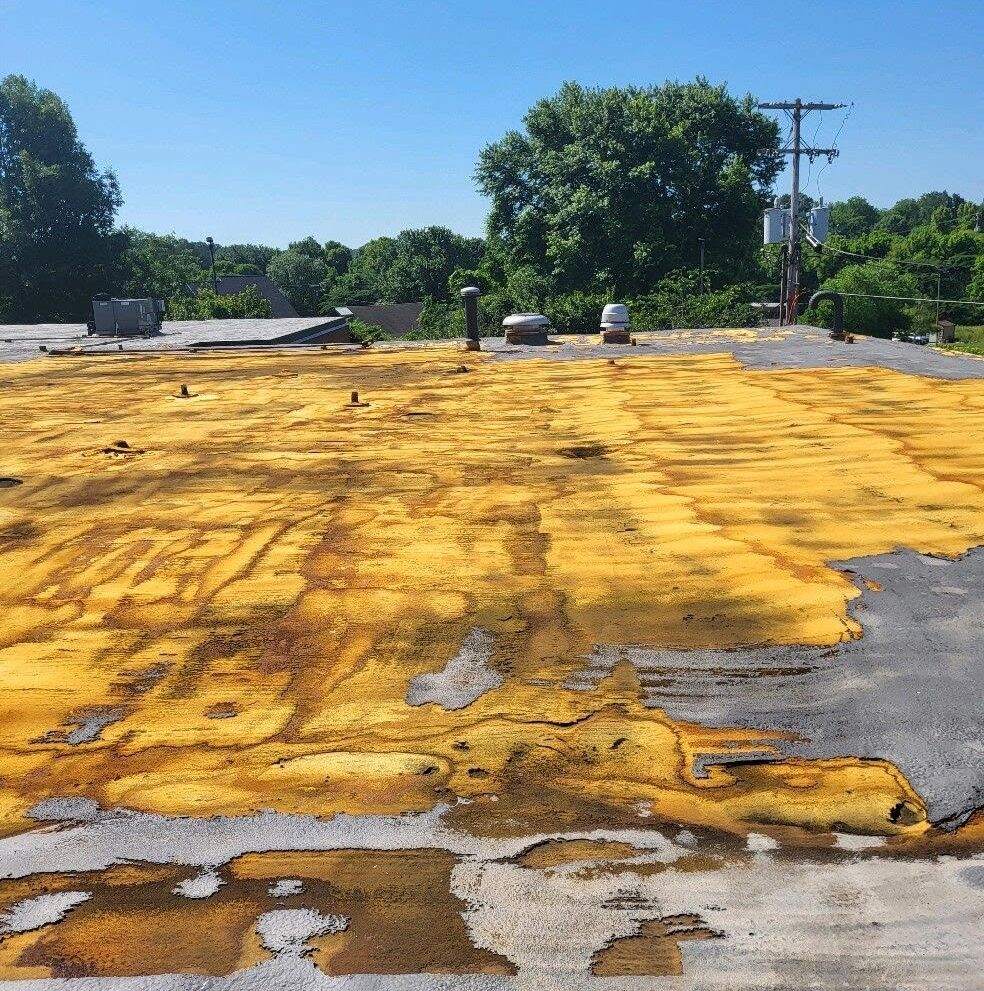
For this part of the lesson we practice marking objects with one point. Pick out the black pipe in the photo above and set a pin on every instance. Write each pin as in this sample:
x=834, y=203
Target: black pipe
x=837, y=331
x=470, y=295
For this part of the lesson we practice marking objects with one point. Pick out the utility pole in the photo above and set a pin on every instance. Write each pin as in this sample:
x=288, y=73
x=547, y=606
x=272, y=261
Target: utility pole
x=797, y=111
x=701, y=240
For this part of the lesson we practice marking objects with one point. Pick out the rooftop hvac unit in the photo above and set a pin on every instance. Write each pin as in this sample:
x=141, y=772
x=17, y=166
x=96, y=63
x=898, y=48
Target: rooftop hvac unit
x=820, y=222
x=776, y=225
x=126, y=317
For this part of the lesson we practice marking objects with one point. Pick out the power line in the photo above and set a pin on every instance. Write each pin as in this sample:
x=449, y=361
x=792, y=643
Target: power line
x=912, y=299
x=813, y=141
x=823, y=168
x=894, y=261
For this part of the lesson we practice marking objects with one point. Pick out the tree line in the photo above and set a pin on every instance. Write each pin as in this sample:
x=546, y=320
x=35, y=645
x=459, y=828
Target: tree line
x=603, y=194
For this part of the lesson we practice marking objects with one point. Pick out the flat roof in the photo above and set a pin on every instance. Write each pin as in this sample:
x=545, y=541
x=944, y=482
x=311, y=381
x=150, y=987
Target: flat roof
x=19, y=342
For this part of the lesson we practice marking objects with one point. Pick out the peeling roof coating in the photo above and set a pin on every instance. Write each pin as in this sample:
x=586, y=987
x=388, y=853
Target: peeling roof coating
x=658, y=607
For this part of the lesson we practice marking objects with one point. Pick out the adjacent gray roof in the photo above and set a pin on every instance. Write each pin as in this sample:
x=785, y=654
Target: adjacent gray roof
x=280, y=305
x=20, y=342
x=397, y=319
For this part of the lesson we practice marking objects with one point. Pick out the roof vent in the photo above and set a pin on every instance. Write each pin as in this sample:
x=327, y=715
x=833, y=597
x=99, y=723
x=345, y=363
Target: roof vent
x=615, y=324
x=526, y=328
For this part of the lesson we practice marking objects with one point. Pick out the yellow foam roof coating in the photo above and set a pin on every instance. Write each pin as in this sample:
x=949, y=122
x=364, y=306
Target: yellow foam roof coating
x=267, y=552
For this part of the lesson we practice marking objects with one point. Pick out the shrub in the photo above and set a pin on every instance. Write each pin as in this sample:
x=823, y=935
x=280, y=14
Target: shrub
x=876, y=316
x=575, y=312
x=684, y=299
x=366, y=333
x=207, y=305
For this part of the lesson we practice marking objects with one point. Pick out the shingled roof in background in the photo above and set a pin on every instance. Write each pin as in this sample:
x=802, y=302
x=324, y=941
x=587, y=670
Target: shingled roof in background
x=397, y=319
x=280, y=305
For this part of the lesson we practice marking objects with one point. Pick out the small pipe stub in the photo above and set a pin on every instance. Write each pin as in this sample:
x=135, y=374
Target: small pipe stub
x=354, y=400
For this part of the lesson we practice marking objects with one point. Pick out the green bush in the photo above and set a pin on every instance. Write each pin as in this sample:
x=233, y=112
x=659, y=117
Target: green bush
x=367, y=333
x=575, y=312
x=685, y=299
x=970, y=340
x=439, y=322
x=866, y=315
x=249, y=304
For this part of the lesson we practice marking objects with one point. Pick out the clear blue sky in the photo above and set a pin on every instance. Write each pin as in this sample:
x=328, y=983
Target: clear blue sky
x=267, y=121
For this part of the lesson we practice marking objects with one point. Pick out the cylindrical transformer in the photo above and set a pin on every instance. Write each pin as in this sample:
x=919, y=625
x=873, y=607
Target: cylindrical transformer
x=774, y=225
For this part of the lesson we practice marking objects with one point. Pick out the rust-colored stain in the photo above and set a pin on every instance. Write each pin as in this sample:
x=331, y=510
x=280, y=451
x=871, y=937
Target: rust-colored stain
x=240, y=594
x=654, y=951
x=402, y=918
x=287, y=562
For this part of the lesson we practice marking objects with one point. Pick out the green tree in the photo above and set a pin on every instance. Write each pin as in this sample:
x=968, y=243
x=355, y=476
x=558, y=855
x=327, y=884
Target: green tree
x=879, y=317
x=689, y=299
x=853, y=217
x=58, y=246
x=606, y=190
x=363, y=281
x=160, y=265
x=337, y=256
x=975, y=290
x=301, y=274
x=244, y=259
x=423, y=262
x=308, y=246
x=908, y=214
x=208, y=305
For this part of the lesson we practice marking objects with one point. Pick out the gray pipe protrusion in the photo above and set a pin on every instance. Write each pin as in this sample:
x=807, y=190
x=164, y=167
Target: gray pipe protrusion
x=470, y=295
x=837, y=331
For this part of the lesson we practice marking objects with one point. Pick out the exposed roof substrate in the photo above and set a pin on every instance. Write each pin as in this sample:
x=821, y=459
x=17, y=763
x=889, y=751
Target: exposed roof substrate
x=801, y=346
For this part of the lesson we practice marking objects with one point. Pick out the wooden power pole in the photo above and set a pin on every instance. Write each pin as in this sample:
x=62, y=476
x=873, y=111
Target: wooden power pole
x=797, y=111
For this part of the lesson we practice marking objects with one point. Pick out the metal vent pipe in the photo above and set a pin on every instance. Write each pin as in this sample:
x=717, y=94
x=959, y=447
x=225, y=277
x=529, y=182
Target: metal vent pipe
x=837, y=331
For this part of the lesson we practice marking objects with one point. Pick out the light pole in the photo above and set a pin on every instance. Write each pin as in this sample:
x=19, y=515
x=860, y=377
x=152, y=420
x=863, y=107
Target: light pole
x=211, y=252
x=701, y=242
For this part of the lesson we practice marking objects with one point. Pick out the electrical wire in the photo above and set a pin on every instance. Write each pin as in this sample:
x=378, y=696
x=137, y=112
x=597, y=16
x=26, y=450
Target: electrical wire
x=911, y=299
x=813, y=142
x=833, y=144
x=895, y=261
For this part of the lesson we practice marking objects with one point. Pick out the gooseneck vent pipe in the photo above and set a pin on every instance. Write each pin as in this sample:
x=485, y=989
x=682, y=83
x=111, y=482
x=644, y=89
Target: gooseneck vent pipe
x=837, y=331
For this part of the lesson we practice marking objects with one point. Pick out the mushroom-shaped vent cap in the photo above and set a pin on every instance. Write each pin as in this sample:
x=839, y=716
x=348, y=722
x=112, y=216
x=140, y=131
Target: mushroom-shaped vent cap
x=615, y=315
x=526, y=321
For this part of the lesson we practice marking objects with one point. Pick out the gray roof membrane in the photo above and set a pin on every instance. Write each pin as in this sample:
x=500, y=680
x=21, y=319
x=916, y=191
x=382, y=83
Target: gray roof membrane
x=801, y=346
x=21, y=342
x=908, y=691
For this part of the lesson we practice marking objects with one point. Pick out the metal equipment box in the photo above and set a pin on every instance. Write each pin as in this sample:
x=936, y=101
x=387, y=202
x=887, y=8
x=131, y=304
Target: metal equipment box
x=127, y=317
